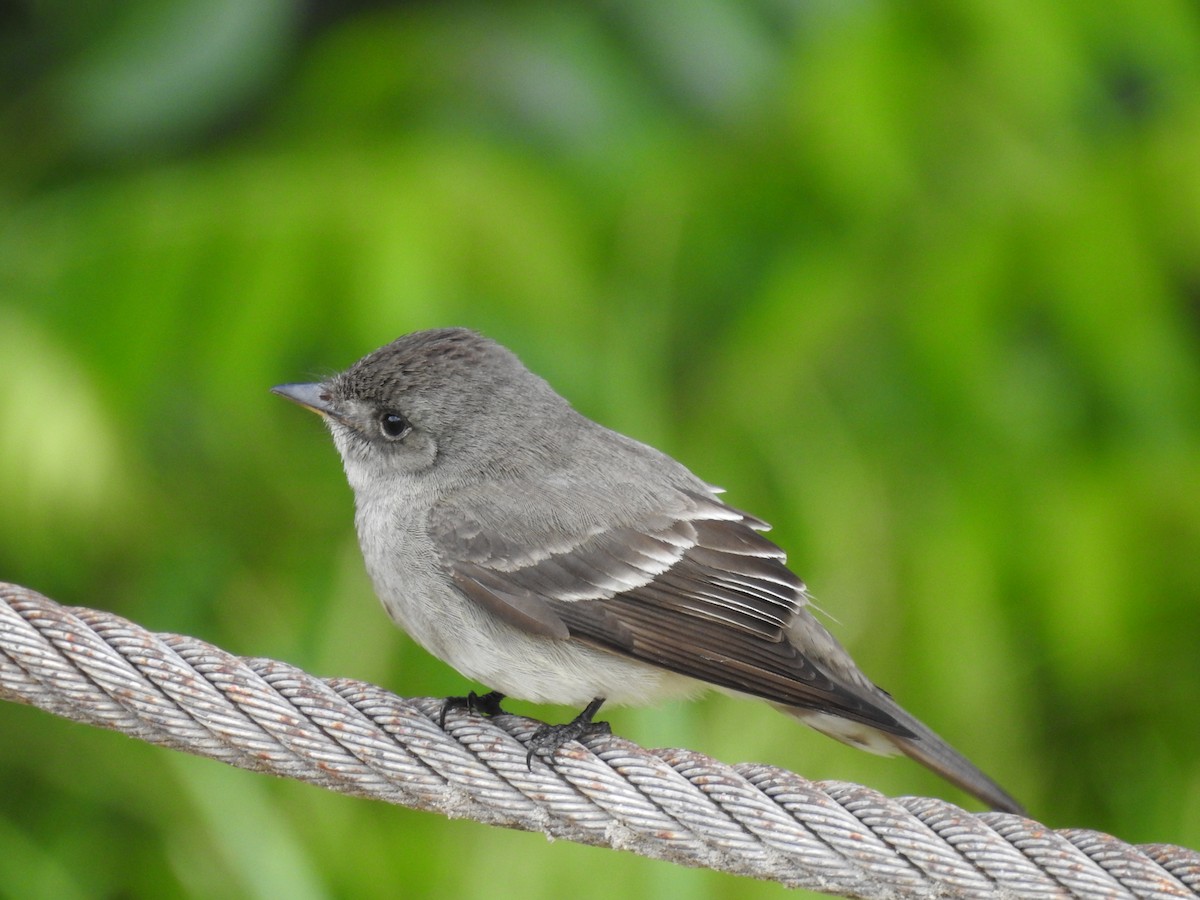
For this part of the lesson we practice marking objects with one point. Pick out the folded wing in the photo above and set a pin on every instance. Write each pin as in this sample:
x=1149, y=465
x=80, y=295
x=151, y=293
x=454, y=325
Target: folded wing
x=692, y=587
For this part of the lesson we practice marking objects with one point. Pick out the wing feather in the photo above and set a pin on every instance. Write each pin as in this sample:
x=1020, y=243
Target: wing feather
x=692, y=587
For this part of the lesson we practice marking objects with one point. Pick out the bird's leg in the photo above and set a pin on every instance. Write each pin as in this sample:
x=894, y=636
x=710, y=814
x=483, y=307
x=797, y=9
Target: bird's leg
x=488, y=704
x=549, y=738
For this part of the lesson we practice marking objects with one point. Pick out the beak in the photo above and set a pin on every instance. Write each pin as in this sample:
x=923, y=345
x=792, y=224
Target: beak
x=310, y=396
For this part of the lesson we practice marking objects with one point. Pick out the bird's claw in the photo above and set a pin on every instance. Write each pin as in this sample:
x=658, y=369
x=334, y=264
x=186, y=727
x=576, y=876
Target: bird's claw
x=548, y=738
x=485, y=704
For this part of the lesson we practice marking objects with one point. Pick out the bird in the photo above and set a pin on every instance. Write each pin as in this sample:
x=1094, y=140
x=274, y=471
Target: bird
x=558, y=561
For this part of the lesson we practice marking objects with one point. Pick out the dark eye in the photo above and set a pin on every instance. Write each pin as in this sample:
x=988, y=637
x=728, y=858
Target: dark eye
x=393, y=426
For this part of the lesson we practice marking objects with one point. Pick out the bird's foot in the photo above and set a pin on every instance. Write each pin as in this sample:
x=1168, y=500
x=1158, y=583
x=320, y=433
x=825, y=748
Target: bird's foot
x=547, y=739
x=486, y=704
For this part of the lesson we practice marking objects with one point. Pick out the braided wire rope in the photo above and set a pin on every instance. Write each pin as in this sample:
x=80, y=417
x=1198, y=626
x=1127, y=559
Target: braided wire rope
x=677, y=805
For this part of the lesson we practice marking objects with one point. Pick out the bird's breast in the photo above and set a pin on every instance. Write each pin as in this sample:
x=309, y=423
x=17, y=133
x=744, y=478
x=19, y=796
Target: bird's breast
x=411, y=582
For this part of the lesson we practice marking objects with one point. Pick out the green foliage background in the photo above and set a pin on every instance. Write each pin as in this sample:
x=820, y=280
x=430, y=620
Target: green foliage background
x=918, y=283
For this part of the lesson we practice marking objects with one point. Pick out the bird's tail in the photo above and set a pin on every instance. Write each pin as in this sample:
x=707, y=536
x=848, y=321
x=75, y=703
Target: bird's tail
x=924, y=746
x=931, y=751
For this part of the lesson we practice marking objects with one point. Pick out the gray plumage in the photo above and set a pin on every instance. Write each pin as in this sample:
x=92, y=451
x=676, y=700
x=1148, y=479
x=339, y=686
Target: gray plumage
x=557, y=561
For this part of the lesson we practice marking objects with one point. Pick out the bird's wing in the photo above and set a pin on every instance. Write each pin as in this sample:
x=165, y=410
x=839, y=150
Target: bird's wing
x=692, y=586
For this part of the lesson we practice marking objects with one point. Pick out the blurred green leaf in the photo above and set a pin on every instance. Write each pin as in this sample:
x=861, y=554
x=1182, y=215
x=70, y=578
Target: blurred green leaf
x=916, y=284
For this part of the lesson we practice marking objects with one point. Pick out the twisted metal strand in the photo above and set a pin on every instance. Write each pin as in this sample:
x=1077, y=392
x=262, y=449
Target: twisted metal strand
x=676, y=805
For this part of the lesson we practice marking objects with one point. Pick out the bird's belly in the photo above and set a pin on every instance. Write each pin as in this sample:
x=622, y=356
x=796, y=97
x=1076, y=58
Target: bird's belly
x=487, y=649
x=529, y=667
x=566, y=672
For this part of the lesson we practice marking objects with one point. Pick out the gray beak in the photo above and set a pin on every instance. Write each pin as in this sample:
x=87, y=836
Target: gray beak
x=310, y=396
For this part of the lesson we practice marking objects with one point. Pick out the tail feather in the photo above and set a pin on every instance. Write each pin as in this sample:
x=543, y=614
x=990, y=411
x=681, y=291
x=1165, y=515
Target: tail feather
x=934, y=753
x=920, y=743
x=923, y=745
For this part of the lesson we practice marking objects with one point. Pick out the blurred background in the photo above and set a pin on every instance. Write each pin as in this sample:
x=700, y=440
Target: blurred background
x=918, y=283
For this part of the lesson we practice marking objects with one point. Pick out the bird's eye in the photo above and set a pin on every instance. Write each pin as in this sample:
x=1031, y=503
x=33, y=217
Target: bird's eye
x=393, y=426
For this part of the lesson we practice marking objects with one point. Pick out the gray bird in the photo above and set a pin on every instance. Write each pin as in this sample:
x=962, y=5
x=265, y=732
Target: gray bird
x=557, y=561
